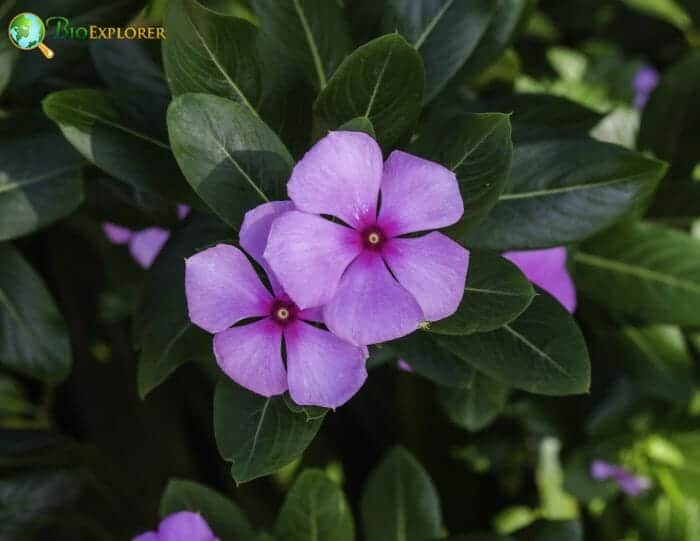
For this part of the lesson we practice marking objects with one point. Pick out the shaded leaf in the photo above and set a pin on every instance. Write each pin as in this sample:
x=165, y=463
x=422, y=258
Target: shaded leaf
x=476, y=406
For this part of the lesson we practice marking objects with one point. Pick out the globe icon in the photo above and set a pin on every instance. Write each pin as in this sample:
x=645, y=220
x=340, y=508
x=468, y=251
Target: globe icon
x=27, y=31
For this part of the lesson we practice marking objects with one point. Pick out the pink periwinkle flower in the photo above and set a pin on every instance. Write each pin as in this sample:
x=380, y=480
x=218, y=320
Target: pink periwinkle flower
x=547, y=269
x=145, y=244
x=374, y=283
x=181, y=526
x=645, y=81
x=630, y=484
x=223, y=289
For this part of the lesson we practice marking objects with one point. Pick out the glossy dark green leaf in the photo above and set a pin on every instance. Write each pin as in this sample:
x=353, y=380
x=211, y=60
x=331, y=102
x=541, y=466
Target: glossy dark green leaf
x=224, y=518
x=33, y=335
x=543, y=351
x=310, y=34
x=477, y=147
x=361, y=123
x=509, y=16
x=399, y=501
x=258, y=435
x=445, y=33
x=232, y=159
x=68, y=52
x=496, y=293
x=670, y=118
x=646, y=271
x=211, y=52
x=163, y=330
x=90, y=120
x=383, y=81
x=563, y=191
x=476, y=406
x=35, y=192
x=424, y=357
x=315, y=508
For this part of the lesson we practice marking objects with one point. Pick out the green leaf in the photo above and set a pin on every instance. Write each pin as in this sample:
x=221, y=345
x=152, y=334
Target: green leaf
x=232, y=159
x=476, y=406
x=423, y=355
x=478, y=148
x=310, y=34
x=315, y=509
x=543, y=351
x=445, y=32
x=383, y=81
x=496, y=293
x=563, y=191
x=671, y=116
x=162, y=328
x=646, y=271
x=90, y=120
x=35, y=192
x=399, y=501
x=8, y=58
x=33, y=335
x=211, y=52
x=509, y=16
x=361, y=124
x=223, y=516
x=552, y=531
x=258, y=435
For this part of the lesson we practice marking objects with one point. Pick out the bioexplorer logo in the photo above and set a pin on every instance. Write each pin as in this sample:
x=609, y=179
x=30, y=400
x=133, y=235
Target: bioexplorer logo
x=27, y=31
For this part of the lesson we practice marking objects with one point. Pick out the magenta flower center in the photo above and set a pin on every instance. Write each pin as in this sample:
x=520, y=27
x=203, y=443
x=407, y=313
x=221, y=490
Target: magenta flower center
x=373, y=238
x=283, y=312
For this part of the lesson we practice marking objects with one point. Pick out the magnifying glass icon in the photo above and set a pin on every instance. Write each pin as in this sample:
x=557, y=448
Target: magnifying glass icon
x=27, y=32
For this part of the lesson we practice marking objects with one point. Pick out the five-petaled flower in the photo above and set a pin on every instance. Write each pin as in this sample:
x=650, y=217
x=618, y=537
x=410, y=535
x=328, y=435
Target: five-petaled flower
x=223, y=289
x=547, y=269
x=180, y=526
x=374, y=282
x=629, y=483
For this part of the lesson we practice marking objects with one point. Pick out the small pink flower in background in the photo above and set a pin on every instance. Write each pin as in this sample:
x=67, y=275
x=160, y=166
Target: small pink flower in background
x=374, y=283
x=145, y=244
x=645, y=81
x=223, y=289
x=547, y=269
x=404, y=366
x=630, y=484
x=181, y=526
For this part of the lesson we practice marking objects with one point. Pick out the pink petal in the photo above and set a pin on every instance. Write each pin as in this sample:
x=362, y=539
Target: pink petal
x=339, y=176
x=433, y=268
x=146, y=244
x=547, y=269
x=309, y=254
x=417, y=195
x=311, y=314
x=117, y=234
x=255, y=230
x=251, y=355
x=185, y=526
x=148, y=536
x=323, y=370
x=222, y=288
x=370, y=306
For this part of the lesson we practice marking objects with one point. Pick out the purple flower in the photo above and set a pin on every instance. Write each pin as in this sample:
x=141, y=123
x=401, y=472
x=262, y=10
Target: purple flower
x=182, y=526
x=223, y=289
x=547, y=269
x=404, y=366
x=629, y=483
x=644, y=83
x=376, y=284
x=144, y=245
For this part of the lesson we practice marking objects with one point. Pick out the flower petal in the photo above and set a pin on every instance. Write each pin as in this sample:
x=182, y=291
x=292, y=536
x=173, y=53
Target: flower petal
x=370, y=306
x=182, y=211
x=117, y=234
x=417, y=195
x=145, y=245
x=309, y=254
x=222, y=288
x=185, y=526
x=251, y=355
x=256, y=229
x=323, y=369
x=433, y=268
x=148, y=536
x=339, y=176
x=311, y=314
x=547, y=269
